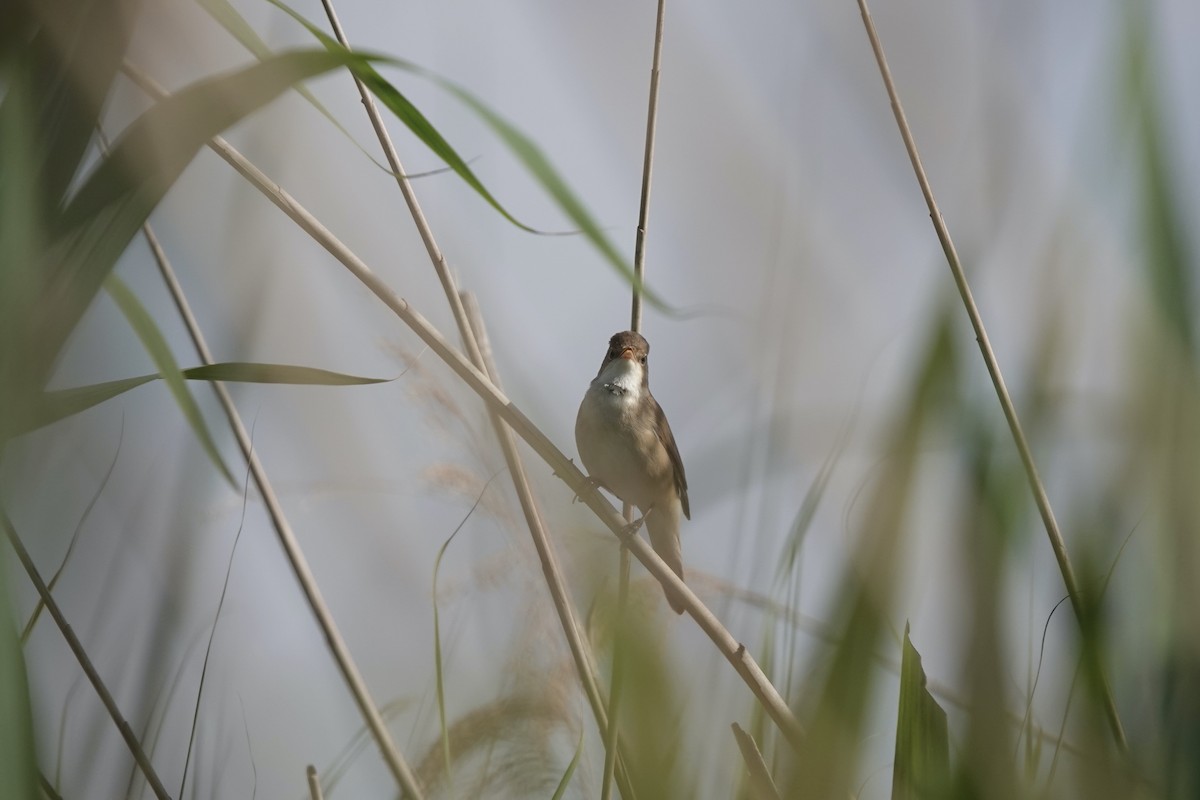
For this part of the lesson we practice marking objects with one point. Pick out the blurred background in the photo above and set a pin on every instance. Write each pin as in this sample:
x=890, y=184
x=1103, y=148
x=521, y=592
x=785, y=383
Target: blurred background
x=818, y=369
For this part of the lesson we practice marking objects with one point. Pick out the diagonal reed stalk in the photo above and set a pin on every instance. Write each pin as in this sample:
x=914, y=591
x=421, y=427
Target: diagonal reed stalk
x=733, y=651
x=471, y=331
x=635, y=324
x=131, y=741
x=314, y=783
x=1057, y=544
x=283, y=529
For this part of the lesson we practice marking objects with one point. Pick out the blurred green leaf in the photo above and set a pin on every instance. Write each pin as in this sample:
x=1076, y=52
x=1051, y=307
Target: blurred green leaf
x=233, y=22
x=524, y=148
x=1169, y=262
x=540, y=167
x=406, y=112
x=437, y=639
x=57, y=405
x=20, y=243
x=53, y=406
x=254, y=372
x=168, y=369
x=840, y=702
x=151, y=153
x=18, y=766
x=653, y=716
x=922, y=765
x=438, y=665
x=118, y=195
x=70, y=63
x=761, y=786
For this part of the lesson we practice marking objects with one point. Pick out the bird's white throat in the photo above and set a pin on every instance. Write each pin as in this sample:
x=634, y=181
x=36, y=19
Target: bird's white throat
x=622, y=377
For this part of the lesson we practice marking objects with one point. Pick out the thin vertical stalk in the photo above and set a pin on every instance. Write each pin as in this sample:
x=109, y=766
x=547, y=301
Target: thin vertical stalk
x=639, y=249
x=135, y=747
x=580, y=651
x=1057, y=544
x=283, y=529
x=635, y=324
x=617, y=684
x=314, y=783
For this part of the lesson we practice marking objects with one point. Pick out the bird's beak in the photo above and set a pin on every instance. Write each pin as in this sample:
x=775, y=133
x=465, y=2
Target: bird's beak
x=628, y=353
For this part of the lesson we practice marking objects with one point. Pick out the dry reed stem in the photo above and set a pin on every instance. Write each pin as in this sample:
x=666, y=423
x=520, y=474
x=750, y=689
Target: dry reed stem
x=470, y=328
x=314, y=783
x=635, y=324
x=639, y=249
x=135, y=747
x=283, y=529
x=617, y=683
x=989, y=357
x=564, y=468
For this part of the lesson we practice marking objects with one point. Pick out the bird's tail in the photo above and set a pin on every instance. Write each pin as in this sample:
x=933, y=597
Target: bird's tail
x=663, y=526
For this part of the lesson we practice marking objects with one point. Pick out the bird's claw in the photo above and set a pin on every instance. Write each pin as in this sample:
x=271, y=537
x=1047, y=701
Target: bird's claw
x=592, y=483
x=630, y=529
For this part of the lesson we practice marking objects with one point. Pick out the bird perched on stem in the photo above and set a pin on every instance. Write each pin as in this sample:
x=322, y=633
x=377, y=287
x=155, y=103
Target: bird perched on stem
x=627, y=446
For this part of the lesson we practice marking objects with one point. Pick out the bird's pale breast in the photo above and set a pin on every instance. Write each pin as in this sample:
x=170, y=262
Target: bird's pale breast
x=620, y=448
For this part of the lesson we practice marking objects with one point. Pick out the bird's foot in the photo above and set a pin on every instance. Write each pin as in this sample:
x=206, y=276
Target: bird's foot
x=593, y=483
x=630, y=530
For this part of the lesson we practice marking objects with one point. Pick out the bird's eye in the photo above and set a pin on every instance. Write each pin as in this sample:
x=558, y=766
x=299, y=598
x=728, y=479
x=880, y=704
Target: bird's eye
x=643, y=359
x=612, y=353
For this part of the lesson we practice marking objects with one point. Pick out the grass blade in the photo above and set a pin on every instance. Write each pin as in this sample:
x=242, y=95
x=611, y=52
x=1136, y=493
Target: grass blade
x=212, y=634
x=1169, y=263
x=237, y=27
x=255, y=372
x=71, y=63
x=118, y=195
x=437, y=635
x=566, y=778
x=17, y=759
x=62, y=403
x=168, y=369
x=21, y=198
x=56, y=405
x=520, y=145
x=842, y=699
x=922, y=765
x=761, y=784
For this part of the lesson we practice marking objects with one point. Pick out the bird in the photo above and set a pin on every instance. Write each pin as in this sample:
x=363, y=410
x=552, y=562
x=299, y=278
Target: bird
x=627, y=447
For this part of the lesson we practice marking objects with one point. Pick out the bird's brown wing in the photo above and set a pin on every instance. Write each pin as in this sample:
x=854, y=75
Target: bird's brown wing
x=662, y=429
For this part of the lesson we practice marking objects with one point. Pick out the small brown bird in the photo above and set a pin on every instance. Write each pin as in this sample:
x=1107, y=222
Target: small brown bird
x=627, y=446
